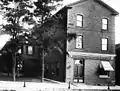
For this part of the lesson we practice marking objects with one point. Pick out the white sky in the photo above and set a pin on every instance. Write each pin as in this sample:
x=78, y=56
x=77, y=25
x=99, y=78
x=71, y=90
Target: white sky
x=114, y=4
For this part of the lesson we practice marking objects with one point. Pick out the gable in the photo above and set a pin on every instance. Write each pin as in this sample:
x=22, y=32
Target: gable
x=100, y=2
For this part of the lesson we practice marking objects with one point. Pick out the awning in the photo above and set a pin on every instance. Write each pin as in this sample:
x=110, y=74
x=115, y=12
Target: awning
x=107, y=66
x=3, y=40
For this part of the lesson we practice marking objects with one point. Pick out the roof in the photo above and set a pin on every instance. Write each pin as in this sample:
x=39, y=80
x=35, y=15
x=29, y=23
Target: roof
x=4, y=39
x=114, y=12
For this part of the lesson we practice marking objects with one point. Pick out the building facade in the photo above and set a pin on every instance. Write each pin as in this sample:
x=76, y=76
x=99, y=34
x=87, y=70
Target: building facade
x=92, y=51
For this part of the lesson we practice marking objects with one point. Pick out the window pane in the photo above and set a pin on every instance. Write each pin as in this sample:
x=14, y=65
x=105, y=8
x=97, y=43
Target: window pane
x=79, y=45
x=104, y=44
x=30, y=50
x=79, y=20
x=79, y=42
x=26, y=42
x=104, y=47
x=104, y=41
x=79, y=23
x=104, y=21
x=20, y=51
x=104, y=26
x=77, y=61
x=79, y=17
x=79, y=39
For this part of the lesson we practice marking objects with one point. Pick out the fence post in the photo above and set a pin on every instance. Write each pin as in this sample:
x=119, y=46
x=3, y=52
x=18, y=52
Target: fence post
x=24, y=84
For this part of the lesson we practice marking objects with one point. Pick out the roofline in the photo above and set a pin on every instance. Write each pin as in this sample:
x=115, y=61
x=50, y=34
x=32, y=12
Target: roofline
x=114, y=12
x=71, y=4
x=107, y=6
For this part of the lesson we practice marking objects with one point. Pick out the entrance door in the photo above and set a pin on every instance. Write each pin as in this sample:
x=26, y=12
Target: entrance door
x=79, y=71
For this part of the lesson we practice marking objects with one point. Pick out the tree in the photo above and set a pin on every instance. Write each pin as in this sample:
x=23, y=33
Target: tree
x=22, y=13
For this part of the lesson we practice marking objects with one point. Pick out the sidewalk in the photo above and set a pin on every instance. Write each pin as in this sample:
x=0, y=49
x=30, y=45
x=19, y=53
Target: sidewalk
x=85, y=86
x=50, y=86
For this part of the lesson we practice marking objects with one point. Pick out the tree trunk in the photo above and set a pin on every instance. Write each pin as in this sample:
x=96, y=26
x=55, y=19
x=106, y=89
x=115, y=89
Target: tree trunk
x=14, y=67
x=42, y=80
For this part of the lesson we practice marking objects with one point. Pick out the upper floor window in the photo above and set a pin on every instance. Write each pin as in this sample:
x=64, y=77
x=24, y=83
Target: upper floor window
x=105, y=24
x=30, y=50
x=104, y=43
x=79, y=41
x=79, y=20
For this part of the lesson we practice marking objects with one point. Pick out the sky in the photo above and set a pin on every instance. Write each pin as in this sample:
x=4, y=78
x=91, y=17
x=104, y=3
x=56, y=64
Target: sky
x=115, y=4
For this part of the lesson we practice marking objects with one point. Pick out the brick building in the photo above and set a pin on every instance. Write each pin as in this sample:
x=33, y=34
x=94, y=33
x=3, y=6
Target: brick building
x=92, y=52
x=89, y=41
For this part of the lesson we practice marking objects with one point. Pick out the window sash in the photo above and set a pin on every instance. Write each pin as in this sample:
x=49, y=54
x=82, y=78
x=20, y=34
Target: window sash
x=30, y=50
x=79, y=20
x=104, y=21
x=79, y=23
x=104, y=24
x=79, y=41
x=104, y=47
x=104, y=43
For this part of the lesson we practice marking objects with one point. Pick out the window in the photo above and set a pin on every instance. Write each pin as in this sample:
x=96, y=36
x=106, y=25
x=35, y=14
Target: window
x=20, y=51
x=102, y=72
x=26, y=39
x=79, y=41
x=30, y=50
x=57, y=68
x=104, y=43
x=79, y=20
x=105, y=24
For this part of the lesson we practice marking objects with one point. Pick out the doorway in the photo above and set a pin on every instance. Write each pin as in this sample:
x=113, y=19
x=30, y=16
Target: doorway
x=79, y=71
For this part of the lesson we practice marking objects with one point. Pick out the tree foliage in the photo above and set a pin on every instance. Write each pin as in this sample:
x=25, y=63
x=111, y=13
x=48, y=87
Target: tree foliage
x=20, y=14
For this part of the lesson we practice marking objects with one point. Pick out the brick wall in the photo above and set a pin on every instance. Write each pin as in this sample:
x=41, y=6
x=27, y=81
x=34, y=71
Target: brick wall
x=92, y=23
x=91, y=75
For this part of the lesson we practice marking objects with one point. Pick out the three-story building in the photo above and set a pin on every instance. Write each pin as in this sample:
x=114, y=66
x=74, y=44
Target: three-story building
x=92, y=51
